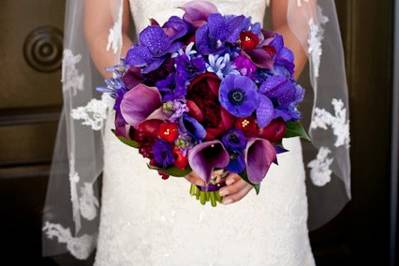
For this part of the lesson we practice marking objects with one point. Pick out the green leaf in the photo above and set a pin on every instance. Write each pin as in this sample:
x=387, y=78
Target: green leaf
x=129, y=142
x=172, y=171
x=244, y=176
x=295, y=129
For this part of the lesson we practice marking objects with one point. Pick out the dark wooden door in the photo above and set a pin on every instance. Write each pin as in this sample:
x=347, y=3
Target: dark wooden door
x=360, y=234
x=30, y=100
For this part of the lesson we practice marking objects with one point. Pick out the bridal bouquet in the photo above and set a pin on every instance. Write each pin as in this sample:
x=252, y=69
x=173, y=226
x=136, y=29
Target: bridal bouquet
x=207, y=92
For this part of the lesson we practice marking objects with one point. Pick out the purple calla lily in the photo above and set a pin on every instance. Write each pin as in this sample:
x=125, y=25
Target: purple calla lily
x=259, y=155
x=197, y=12
x=140, y=103
x=205, y=157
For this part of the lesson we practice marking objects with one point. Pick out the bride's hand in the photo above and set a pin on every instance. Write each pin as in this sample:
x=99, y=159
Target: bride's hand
x=236, y=189
x=193, y=178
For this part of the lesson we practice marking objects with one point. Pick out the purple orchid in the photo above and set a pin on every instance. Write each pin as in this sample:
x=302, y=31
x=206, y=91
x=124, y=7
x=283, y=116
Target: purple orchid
x=283, y=57
x=141, y=103
x=171, y=88
x=285, y=94
x=152, y=50
x=259, y=155
x=238, y=95
x=197, y=12
x=211, y=37
x=205, y=157
x=175, y=28
x=163, y=153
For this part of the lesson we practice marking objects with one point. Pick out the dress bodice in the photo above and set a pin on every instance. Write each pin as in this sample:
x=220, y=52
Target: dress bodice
x=161, y=10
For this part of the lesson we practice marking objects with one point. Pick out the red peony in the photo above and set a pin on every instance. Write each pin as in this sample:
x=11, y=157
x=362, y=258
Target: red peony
x=203, y=104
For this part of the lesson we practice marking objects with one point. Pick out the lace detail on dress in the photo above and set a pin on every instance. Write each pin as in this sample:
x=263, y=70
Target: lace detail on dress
x=316, y=35
x=71, y=78
x=115, y=33
x=320, y=172
x=337, y=121
x=80, y=247
x=94, y=113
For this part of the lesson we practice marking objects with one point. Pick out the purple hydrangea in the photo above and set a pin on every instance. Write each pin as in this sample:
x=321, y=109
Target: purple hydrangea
x=238, y=95
x=163, y=153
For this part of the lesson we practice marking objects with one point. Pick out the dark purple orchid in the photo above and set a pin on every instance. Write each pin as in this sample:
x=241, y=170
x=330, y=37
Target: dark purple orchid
x=259, y=155
x=141, y=103
x=152, y=50
x=171, y=88
x=197, y=12
x=282, y=56
x=188, y=67
x=211, y=37
x=285, y=95
x=162, y=153
x=205, y=157
x=238, y=95
x=192, y=127
x=175, y=28
x=265, y=111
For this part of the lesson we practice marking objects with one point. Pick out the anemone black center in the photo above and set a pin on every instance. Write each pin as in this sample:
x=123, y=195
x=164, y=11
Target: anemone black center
x=234, y=139
x=236, y=96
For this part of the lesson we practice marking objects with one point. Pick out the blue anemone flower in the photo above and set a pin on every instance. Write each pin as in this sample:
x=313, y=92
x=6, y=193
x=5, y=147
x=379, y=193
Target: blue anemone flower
x=234, y=140
x=238, y=95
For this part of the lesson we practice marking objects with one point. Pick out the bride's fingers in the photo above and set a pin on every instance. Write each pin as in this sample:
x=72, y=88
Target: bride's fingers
x=238, y=195
x=233, y=188
x=232, y=178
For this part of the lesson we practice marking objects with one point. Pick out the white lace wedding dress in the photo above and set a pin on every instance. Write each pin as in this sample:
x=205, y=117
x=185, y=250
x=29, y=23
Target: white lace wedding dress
x=149, y=221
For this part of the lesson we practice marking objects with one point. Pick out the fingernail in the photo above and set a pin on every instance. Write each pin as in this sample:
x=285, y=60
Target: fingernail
x=227, y=201
x=229, y=181
x=223, y=192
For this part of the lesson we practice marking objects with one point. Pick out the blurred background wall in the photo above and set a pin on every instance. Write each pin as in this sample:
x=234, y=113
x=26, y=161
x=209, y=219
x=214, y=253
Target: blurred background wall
x=30, y=101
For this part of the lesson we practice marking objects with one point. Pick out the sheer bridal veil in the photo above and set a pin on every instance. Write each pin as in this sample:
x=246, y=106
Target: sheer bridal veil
x=72, y=206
